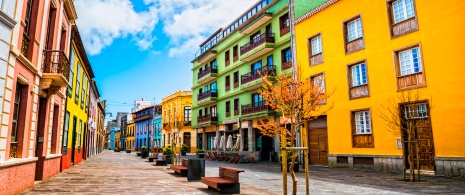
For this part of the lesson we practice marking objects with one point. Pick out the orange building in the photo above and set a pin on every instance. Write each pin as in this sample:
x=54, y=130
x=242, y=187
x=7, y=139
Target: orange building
x=372, y=51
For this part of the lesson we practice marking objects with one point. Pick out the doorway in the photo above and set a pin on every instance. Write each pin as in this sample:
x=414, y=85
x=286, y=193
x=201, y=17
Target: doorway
x=187, y=141
x=73, y=142
x=318, y=141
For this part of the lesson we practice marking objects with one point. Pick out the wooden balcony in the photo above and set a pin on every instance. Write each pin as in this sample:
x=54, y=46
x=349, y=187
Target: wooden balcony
x=359, y=91
x=207, y=55
x=207, y=118
x=254, y=25
x=255, y=108
x=55, y=71
x=286, y=65
x=316, y=59
x=207, y=75
x=258, y=47
x=253, y=80
x=411, y=81
x=404, y=27
x=207, y=97
x=355, y=45
x=284, y=31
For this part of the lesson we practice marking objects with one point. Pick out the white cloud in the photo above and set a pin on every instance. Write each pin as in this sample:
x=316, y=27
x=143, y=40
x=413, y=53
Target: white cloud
x=187, y=23
x=102, y=21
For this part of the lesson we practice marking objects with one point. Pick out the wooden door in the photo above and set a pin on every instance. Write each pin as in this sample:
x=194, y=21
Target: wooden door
x=318, y=141
x=425, y=144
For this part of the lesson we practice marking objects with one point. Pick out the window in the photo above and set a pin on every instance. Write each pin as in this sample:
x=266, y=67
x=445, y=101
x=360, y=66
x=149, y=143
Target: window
x=76, y=98
x=236, y=106
x=71, y=72
x=255, y=37
x=402, y=10
x=79, y=133
x=362, y=122
x=83, y=91
x=319, y=81
x=227, y=83
x=17, y=110
x=213, y=111
x=409, y=68
x=213, y=87
x=200, y=112
x=228, y=109
x=316, y=45
x=65, y=130
x=187, y=113
x=284, y=24
x=410, y=61
x=236, y=79
x=354, y=30
x=256, y=67
x=286, y=55
x=402, y=17
x=257, y=100
x=235, y=53
x=226, y=58
x=213, y=64
x=416, y=111
x=359, y=74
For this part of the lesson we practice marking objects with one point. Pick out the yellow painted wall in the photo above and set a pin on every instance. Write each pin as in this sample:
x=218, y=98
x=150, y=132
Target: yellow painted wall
x=131, y=132
x=441, y=35
x=178, y=100
x=75, y=108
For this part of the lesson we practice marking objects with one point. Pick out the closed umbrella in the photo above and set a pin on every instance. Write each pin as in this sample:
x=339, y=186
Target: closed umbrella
x=221, y=142
x=229, y=143
x=214, y=142
x=239, y=143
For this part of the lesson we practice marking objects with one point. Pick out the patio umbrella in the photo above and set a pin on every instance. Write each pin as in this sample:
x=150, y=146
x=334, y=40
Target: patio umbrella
x=229, y=143
x=239, y=143
x=222, y=142
x=214, y=142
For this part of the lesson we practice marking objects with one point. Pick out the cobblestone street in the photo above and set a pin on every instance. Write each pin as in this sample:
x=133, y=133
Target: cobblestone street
x=122, y=173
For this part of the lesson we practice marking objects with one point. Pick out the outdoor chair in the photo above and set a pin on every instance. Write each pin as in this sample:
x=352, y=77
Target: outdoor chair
x=252, y=156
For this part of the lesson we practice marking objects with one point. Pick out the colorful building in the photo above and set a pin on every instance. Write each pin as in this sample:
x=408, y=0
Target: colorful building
x=143, y=121
x=226, y=76
x=75, y=122
x=100, y=126
x=386, y=49
x=33, y=84
x=94, y=98
x=130, y=133
x=176, y=109
x=157, y=125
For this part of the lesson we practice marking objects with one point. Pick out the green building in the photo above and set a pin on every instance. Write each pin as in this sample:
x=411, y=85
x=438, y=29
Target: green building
x=226, y=79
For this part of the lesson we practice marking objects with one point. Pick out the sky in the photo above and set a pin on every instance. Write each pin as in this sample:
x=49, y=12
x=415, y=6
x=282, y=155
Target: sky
x=144, y=48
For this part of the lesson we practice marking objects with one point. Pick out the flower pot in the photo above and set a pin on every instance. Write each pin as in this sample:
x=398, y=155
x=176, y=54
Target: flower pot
x=183, y=153
x=144, y=154
x=128, y=151
x=168, y=160
x=201, y=155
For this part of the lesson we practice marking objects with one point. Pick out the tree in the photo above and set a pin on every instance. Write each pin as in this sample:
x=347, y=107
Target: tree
x=298, y=101
x=403, y=116
x=174, y=127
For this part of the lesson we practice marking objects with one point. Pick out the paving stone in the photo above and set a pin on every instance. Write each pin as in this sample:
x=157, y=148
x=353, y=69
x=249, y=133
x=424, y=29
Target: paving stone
x=123, y=173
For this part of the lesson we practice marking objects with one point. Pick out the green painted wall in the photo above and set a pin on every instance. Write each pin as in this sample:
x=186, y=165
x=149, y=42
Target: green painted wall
x=302, y=7
x=245, y=97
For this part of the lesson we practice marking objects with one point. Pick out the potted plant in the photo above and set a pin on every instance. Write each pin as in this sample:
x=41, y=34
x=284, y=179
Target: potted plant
x=289, y=160
x=200, y=153
x=116, y=149
x=183, y=149
x=168, y=152
x=144, y=152
x=128, y=150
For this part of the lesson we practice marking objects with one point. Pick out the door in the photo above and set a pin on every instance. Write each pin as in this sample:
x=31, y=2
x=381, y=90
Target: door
x=73, y=142
x=257, y=67
x=269, y=62
x=187, y=141
x=318, y=141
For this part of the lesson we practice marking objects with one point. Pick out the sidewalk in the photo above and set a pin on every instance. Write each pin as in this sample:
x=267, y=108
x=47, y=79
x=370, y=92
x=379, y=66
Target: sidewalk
x=121, y=173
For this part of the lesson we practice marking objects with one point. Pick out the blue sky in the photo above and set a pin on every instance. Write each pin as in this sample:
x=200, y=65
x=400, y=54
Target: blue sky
x=143, y=48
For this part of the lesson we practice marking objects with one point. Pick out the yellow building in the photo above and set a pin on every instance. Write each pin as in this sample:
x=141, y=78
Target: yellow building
x=75, y=120
x=130, y=132
x=372, y=51
x=177, y=107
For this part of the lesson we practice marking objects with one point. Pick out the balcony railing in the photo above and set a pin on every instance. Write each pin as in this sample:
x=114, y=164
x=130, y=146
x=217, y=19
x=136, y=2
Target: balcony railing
x=284, y=30
x=255, y=108
x=268, y=70
x=264, y=38
x=207, y=71
x=56, y=62
x=207, y=94
x=207, y=118
x=286, y=65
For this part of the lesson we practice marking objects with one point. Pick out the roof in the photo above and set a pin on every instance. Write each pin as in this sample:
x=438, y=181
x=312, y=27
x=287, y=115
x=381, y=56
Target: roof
x=315, y=11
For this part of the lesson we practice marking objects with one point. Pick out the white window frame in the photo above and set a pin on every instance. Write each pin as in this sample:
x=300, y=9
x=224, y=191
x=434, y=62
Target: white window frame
x=357, y=28
x=406, y=62
x=317, y=48
x=416, y=111
x=362, y=118
x=403, y=9
x=357, y=76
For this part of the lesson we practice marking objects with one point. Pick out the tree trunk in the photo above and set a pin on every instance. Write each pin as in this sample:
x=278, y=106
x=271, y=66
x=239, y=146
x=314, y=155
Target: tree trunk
x=291, y=170
x=410, y=156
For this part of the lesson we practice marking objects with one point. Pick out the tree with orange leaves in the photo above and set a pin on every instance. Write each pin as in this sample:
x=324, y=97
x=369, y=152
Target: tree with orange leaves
x=298, y=101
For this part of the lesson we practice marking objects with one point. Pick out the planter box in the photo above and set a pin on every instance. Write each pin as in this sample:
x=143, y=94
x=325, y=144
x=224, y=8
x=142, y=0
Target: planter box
x=128, y=151
x=201, y=155
x=183, y=153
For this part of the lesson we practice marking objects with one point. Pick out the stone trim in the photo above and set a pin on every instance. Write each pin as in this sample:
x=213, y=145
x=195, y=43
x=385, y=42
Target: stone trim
x=449, y=158
x=365, y=155
x=52, y=156
x=17, y=161
x=7, y=20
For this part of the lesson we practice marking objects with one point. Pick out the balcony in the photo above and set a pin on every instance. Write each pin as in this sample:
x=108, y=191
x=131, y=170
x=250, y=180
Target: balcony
x=207, y=97
x=207, y=56
x=404, y=27
x=258, y=47
x=254, y=25
x=207, y=75
x=257, y=109
x=284, y=30
x=55, y=71
x=286, y=65
x=253, y=80
x=208, y=119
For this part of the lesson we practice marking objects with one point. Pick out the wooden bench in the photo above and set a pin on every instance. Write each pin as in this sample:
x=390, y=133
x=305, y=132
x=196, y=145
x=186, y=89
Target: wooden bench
x=153, y=157
x=139, y=154
x=161, y=162
x=182, y=169
x=226, y=183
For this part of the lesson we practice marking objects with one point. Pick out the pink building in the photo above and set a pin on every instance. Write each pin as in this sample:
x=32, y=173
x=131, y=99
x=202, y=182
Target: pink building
x=34, y=102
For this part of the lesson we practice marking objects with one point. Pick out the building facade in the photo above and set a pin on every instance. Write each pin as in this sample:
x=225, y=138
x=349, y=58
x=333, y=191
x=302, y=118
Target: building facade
x=176, y=118
x=100, y=126
x=385, y=51
x=143, y=122
x=94, y=98
x=75, y=129
x=130, y=133
x=227, y=77
x=36, y=77
x=157, y=125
